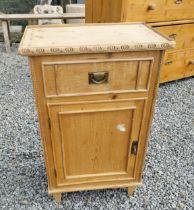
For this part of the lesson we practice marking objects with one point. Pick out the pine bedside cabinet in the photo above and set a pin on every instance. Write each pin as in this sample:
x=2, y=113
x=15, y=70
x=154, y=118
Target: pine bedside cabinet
x=95, y=88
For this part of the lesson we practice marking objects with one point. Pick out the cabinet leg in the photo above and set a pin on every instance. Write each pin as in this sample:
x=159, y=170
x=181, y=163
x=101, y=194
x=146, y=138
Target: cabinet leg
x=6, y=33
x=57, y=197
x=131, y=190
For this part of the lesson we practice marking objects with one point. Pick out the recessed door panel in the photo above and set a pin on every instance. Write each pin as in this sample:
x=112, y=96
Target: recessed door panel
x=93, y=141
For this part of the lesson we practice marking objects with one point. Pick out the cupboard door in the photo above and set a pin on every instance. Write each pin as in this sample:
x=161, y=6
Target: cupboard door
x=92, y=141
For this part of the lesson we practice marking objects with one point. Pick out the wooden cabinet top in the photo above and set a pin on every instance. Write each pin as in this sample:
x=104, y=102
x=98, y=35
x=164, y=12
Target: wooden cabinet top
x=91, y=38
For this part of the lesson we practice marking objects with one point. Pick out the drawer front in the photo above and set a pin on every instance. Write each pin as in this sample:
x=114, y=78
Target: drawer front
x=95, y=76
x=189, y=62
x=179, y=62
x=159, y=10
x=179, y=9
x=148, y=11
x=177, y=65
x=173, y=67
x=183, y=34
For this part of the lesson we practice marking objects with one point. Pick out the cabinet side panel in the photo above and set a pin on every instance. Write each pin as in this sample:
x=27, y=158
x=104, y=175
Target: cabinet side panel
x=104, y=11
x=36, y=74
x=148, y=113
x=88, y=11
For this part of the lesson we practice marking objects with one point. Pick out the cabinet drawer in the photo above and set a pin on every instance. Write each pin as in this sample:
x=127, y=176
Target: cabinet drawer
x=148, y=11
x=177, y=65
x=189, y=62
x=179, y=9
x=173, y=67
x=94, y=76
x=183, y=34
x=159, y=10
x=179, y=62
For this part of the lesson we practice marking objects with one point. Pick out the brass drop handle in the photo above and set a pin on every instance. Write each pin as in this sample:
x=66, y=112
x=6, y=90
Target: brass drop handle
x=151, y=7
x=178, y=1
x=98, y=77
x=191, y=62
x=173, y=36
x=168, y=62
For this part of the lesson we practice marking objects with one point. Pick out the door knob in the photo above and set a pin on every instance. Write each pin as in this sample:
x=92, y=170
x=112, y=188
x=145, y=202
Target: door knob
x=178, y=1
x=151, y=7
x=173, y=36
x=168, y=62
x=191, y=62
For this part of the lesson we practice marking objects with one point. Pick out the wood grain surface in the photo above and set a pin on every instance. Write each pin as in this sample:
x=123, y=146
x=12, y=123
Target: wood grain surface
x=89, y=131
x=91, y=39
